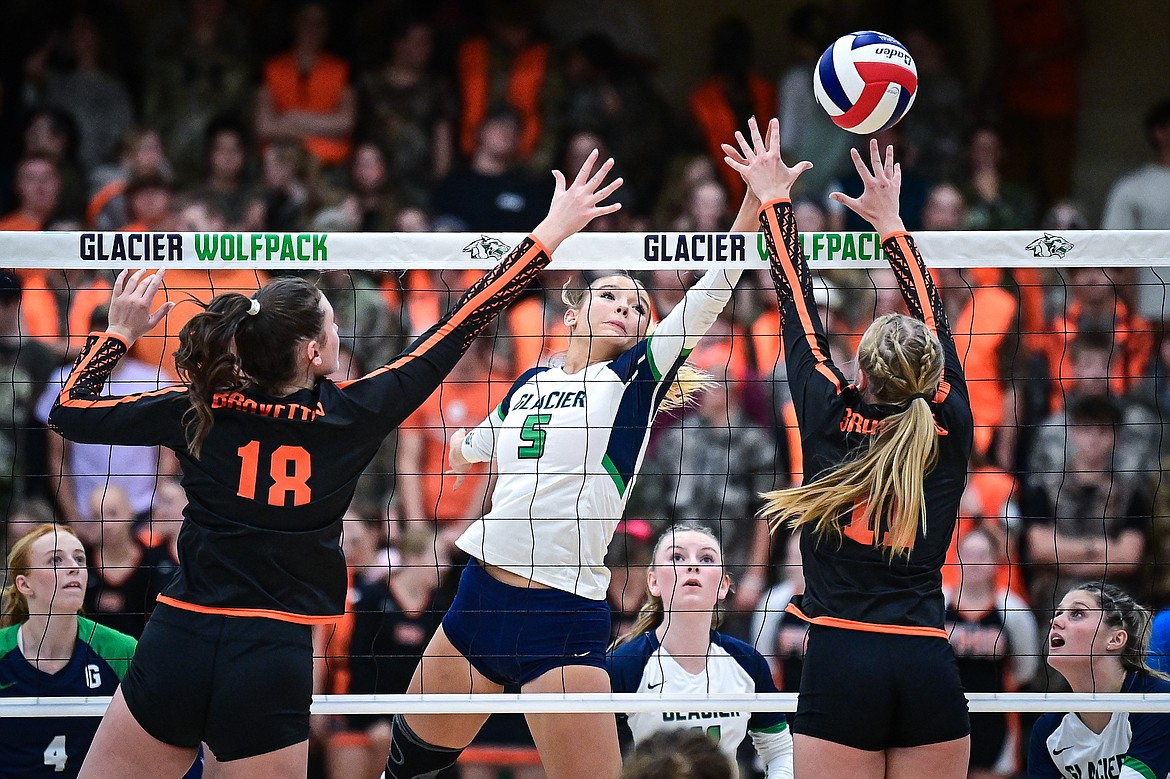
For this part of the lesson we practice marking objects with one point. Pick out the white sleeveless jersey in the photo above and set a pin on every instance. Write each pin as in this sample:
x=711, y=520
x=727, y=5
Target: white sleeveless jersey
x=1132, y=745
x=568, y=448
x=642, y=665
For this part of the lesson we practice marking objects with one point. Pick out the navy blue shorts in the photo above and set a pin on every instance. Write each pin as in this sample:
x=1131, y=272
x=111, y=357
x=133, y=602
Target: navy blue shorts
x=875, y=691
x=243, y=685
x=513, y=635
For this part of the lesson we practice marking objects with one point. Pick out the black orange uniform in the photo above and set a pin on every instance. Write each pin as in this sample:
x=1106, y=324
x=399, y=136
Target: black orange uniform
x=262, y=528
x=854, y=584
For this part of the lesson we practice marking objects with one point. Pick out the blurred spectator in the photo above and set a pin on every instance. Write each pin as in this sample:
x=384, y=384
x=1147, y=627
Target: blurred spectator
x=149, y=204
x=77, y=470
x=161, y=531
x=630, y=553
x=1095, y=303
x=286, y=193
x=1065, y=215
x=306, y=95
x=945, y=208
x=996, y=644
x=629, y=25
x=197, y=70
x=711, y=466
x=406, y=106
x=993, y=203
x=377, y=194
x=125, y=575
x=990, y=504
x=1041, y=45
x=393, y=620
x=98, y=102
x=508, y=67
x=942, y=107
x=51, y=131
x=1091, y=375
x=733, y=91
x=492, y=193
x=25, y=367
x=805, y=128
x=38, y=192
x=366, y=326
x=606, y=94
x=227, y=146
x=1141, y=201
x=678, y=754
x=142, y=154
x=778, y=635
x=705, y=211
x=985, y=323
x=1089, y=524
x=22, y=519
x=427, y=489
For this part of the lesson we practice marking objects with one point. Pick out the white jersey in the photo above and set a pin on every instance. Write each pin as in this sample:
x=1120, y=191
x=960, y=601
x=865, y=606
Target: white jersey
x=568, y=448
x=642, y=665
x=1132, y=745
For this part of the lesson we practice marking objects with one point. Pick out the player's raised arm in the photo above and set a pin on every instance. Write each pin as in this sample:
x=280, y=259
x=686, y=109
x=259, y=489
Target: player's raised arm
x=398, y=388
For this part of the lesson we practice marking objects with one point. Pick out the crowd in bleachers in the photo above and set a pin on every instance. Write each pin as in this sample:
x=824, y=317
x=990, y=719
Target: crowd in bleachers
x=384, y=116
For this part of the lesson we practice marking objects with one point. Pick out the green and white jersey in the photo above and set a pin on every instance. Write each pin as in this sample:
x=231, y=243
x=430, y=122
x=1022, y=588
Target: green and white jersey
x=55, y=746
x=567, y=448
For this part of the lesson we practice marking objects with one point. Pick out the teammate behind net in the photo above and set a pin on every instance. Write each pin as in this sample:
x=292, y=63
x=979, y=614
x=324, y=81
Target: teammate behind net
x=271, y=452
x=887, y=458
x=567, y=441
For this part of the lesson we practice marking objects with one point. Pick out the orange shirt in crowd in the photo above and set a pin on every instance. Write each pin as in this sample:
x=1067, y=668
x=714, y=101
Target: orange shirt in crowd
x=994, y=489
x=523, y=91
x=1133, y=348
x=181, y=284
x=462, y=402
x=318, y=91
x=718, y=122
x=979, y=331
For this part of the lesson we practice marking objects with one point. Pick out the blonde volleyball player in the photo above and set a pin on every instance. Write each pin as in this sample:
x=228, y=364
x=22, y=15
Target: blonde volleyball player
x=673, y=649
x=880, y=694
x=567, y=442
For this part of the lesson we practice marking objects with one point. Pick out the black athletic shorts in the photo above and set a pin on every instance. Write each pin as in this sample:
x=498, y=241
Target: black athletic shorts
x=243, y=685
x=876, y=691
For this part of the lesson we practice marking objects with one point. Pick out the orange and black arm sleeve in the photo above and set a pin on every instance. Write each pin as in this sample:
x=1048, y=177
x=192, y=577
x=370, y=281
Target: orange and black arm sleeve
x=395, y=390
x=83, y=414
x=811, y=373
x=924, y=302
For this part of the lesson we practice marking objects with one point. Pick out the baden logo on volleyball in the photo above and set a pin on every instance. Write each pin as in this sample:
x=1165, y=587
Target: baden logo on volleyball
x=866, y=82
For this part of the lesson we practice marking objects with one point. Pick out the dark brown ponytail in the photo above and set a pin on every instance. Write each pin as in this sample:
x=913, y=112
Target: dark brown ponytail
x=227, y=346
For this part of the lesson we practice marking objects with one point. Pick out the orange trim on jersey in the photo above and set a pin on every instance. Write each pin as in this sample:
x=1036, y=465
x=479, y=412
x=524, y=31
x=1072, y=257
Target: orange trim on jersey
x=916, y=274
x=281, y=616
x=464, y=311
x=801, y=304
x=868, y=627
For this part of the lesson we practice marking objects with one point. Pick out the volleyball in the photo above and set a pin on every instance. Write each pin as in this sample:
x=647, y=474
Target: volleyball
x=865, y=81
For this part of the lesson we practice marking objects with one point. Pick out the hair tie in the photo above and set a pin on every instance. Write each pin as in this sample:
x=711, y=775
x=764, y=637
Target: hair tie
x=927, y=396
x=254, y=309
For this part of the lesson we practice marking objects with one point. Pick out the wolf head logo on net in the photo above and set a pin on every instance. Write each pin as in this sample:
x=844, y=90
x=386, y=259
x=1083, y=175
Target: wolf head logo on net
x=486, y=248
x=1049, y=245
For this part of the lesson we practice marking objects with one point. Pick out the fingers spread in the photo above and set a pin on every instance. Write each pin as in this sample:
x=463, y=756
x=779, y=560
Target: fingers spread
x=774, y=134
x=586, y=167
x=757, y=140
x=600, y=175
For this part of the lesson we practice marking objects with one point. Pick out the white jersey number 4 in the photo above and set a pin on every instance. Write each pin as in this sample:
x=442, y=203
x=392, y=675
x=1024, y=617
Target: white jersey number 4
x=55, y=754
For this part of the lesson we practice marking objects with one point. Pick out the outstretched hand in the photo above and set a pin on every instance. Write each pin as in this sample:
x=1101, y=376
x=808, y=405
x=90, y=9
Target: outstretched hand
x=133, y=295
x=878, y=203
x=759, y=162
x=575, y=204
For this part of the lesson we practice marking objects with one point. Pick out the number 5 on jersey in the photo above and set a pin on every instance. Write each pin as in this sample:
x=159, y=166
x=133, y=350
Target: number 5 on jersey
x=534, y=433
x=289, y=467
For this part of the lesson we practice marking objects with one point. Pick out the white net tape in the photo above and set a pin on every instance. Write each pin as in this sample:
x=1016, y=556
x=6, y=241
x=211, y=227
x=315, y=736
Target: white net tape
x=633, y=251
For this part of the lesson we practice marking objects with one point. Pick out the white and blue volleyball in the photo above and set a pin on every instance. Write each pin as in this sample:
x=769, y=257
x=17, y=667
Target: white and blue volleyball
x=866, y=82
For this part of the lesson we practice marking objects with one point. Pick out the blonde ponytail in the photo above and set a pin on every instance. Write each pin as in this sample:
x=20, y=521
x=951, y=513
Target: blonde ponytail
x=902, y=361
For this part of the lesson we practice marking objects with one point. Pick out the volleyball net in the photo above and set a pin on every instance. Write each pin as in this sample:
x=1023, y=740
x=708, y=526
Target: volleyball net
x=1045, y=321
